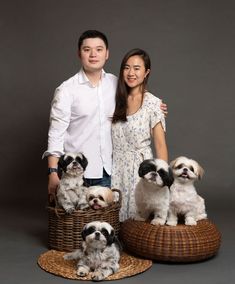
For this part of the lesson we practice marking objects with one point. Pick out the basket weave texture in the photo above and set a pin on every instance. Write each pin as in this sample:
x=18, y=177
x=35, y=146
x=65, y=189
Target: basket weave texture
x=53, y=262
x=179, y=243
x=64, y=230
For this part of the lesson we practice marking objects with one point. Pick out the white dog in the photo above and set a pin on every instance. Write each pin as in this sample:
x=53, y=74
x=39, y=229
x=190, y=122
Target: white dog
x=71, y=193
x=99, y=253
x=184, y=199
x=152, y=191
x=99, y=197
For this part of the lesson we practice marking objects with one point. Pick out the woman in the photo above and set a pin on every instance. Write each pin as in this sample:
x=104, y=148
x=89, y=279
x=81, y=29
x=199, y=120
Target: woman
x=137, y=118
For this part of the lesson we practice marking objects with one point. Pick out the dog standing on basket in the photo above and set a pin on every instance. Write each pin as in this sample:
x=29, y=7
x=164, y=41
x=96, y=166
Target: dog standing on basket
x=99, y=254
x=71, y=193
x=184, y=199
x=152, y=192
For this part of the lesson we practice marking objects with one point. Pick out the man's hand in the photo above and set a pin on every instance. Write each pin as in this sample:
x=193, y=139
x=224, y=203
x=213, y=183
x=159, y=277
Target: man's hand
x=163, y=107
x=53, y=182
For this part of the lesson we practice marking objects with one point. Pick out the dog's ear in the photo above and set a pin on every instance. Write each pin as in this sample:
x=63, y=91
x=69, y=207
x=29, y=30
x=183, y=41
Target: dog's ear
x=200, y=172
x=167, y=177
x=172, y=163
x=145, y=167
x=84, y=162
x=110, y=238
x=61, y=163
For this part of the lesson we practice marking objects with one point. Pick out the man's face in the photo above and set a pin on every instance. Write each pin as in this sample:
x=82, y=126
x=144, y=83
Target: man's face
x=93, y=54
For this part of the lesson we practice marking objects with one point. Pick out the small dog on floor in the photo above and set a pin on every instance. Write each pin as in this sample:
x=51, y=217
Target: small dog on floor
x=99, y=197
x=152, y=191
x=99, y=254
x=71, y=193
x=184, y=199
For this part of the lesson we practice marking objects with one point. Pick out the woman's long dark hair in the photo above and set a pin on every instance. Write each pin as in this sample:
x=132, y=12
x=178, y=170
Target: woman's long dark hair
x=122, y=88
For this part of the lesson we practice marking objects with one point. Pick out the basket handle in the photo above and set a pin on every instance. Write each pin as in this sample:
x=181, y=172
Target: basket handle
x=119, y=194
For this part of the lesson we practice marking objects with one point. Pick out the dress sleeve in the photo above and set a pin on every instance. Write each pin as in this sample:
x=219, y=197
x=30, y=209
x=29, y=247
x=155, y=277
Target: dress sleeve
x=59, y=122
x=156, y=114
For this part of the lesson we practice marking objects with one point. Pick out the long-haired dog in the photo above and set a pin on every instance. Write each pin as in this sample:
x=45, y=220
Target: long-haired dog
x=184, y=199
x=152, y=191
x=99, y=197
x=99, y=254
x=71, y=193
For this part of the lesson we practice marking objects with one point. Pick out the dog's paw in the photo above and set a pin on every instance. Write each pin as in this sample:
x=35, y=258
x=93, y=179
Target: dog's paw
x=97, y=276
x=70, y=210
x=158, y=221
x=138, y=218
x=171, y=223
x=68, y=256
x=82, y=206
x=82, y=271
x=189, y=221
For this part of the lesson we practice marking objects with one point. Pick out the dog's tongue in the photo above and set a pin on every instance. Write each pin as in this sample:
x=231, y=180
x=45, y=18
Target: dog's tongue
x=96, y=206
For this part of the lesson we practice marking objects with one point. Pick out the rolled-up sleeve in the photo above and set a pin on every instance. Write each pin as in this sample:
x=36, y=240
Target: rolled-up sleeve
x=59, y=121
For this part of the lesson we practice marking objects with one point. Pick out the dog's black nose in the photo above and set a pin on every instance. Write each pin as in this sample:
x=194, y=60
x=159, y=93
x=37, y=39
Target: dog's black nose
x=75, y=163
x=95, y=201
x=97, y=235
x=185, y=170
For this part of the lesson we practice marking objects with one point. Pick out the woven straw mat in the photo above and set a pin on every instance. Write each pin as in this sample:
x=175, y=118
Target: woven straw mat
x=53, y=262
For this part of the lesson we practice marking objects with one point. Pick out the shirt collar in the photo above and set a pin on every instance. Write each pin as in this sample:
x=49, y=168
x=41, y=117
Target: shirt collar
x=82, y=77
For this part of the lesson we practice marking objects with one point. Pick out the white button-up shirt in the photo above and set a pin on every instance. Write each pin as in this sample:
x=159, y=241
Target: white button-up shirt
x=80, y=121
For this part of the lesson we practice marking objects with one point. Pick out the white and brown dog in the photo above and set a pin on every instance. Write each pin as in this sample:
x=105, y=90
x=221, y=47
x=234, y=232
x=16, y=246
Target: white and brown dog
x=184, y=199
x=99, y=197
x=71, y=193
x=99, y=254
x=152, y=191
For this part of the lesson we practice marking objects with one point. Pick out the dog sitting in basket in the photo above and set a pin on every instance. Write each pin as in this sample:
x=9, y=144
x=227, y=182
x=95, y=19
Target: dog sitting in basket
x=99, y=253
x=72, y=194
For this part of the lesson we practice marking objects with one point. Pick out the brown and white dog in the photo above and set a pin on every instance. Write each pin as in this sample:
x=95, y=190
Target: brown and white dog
x=184, y=199
x=99, y=197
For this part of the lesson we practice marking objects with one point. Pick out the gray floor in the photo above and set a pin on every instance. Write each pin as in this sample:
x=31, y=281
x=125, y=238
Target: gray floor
x=24, y=238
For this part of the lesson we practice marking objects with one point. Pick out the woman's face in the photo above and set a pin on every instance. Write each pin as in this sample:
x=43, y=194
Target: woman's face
x=134, y=72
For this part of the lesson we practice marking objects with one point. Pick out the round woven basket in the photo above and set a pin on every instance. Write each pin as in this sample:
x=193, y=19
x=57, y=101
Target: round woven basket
x=64, y=230
x=53, y=262
x=179, y=243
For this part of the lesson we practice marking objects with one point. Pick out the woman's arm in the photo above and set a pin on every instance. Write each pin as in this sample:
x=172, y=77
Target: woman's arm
x=160, y=142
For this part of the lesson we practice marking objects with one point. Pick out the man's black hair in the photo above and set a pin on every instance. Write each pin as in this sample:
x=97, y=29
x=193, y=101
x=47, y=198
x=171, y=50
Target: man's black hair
x=92, y=34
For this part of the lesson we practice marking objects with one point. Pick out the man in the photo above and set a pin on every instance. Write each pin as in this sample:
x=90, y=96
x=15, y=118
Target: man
x=80, y=118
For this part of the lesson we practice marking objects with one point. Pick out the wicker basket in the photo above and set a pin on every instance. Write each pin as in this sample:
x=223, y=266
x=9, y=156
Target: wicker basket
x=65, y=229
x=179, y=243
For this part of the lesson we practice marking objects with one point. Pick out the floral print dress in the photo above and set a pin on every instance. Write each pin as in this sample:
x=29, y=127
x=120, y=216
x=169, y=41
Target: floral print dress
x=131, y=145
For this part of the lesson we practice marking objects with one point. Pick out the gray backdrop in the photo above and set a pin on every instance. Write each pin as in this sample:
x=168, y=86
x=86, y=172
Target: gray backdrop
x=191, y=44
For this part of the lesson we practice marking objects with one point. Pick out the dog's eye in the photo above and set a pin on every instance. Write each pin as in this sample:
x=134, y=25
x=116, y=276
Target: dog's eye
x=191, y=169
x=105, y=232
x=101, y=197
x=78, y=159
x=68, y=160
x=90, y=230
x=91, y=197
x=179, y=166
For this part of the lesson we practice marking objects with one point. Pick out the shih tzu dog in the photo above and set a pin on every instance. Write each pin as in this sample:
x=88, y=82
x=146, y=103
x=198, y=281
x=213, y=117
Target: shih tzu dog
x=99, y=253
x=99, y=197
x=184, y=199
x=71, y=193
x=152, y=191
